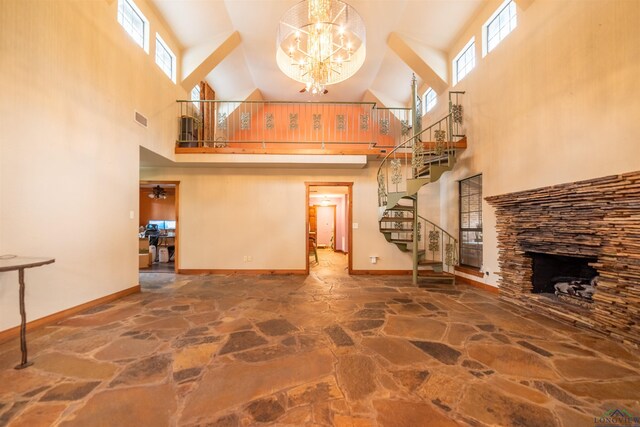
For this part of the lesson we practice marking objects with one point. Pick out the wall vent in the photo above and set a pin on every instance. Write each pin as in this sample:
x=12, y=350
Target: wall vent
x=140, y=119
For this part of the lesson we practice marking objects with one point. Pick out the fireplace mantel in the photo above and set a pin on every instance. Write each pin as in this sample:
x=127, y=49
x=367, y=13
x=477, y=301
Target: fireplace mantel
x=598, y=218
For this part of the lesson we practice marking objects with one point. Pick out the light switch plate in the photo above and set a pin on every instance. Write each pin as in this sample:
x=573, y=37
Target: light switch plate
x=355, y=225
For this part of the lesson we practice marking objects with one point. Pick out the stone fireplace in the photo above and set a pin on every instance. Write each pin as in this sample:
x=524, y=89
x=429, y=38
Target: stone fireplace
x=573, y=251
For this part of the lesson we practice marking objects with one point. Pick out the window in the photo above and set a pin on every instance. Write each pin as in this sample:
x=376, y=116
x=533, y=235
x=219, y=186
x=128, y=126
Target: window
x=134, y=23
x=430, y=100
x=165, y=59
x=195, y=96
x=465, y=61
x=471, y=221
x=501, y=23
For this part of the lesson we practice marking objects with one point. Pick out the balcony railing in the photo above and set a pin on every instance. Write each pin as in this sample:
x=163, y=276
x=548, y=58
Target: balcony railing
x=273, y=126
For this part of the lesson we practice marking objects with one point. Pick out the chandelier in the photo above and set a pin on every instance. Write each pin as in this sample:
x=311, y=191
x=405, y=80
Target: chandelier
x=320, y=43
x=158, y=193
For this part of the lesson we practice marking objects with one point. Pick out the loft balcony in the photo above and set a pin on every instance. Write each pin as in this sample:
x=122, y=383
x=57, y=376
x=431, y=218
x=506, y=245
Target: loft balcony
x=277, y=127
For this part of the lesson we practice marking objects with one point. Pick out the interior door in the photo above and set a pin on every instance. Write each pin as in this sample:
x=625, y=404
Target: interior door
x=325, y=225
x=313, y=220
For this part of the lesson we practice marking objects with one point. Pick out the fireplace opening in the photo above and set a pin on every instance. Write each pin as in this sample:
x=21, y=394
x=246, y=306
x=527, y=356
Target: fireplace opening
x=571, y=279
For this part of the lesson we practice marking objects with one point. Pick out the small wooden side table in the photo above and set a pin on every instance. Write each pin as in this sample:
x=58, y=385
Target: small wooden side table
x=11, y=263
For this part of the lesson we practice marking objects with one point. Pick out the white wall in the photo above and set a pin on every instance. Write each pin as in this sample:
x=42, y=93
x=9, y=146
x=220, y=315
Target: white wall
x=226, y=214
x=557, y=101
x=70, y=80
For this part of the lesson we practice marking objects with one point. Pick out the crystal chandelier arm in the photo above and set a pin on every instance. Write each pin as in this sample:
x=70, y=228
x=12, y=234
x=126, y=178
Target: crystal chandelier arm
x=344, y=7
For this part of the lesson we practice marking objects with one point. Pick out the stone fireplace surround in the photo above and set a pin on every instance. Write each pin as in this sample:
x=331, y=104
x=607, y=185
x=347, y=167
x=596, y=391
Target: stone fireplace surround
x=598, y=218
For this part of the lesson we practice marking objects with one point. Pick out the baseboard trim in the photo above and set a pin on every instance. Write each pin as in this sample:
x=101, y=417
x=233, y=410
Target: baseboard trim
x=393, y=273
x=51, y=319
x=240, y=272
x=468, y=270
x=476, y=284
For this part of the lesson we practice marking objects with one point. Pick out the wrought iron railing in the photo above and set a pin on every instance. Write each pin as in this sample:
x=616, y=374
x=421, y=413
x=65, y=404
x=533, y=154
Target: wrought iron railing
x=439, y=246
x=290, y=125
x=422, y=155
x=436, y=247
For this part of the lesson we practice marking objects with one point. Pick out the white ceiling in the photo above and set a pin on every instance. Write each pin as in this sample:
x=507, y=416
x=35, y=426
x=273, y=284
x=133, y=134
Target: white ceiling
x=252, y=65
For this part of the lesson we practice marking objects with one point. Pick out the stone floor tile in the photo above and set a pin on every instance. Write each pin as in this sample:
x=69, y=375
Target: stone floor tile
x=458, y=333
x=299, y=416
x=363, y=325
x=446, y=385
x=16, y=382
x=265, y=410
x=276, y=327
x=396, y=413
x=263, y=354
x=136, y=406
x=338, y=336
x=236, y=383
x=612, y=349
x=411, y=379
x=518, y=390
x=244, y=340
x=325, y=390
x=12, y=410
x=149, y=370
x=510, y=360
x=621, y=389
x=39, y=415
x=415, y=327
x=350, y=421
x=126, y=348
x=69, y=391
x=582, y=368
x=439, y=351
x=486, y=404
x=194, y=356
x=72, y=366
x=396, y=350
x=356, y=375
x=572, y=418
x=562, y=348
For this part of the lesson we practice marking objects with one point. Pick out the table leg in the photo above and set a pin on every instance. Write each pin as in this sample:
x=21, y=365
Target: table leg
x=23, y=324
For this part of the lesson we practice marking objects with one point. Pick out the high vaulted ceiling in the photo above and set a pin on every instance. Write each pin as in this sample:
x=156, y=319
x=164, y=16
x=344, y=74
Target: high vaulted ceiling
x=429, y=27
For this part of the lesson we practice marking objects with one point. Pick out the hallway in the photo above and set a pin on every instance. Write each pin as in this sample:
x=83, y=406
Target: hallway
x=327, y=349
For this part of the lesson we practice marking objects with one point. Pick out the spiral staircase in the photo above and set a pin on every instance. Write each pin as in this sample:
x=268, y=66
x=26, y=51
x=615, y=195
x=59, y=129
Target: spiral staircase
x=415, y=162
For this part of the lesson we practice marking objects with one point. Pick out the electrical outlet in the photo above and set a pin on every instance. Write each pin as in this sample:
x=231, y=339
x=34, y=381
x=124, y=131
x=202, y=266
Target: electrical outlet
x=245, y=258
x=249, y=258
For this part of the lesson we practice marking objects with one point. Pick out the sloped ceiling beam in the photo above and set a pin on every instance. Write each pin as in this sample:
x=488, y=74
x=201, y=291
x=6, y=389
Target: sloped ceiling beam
x=369, y=96
x=425, y=68
x=195, y=70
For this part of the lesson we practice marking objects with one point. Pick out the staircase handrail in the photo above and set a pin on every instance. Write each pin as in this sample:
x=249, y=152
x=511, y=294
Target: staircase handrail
x=408, y=144
x=447, y=264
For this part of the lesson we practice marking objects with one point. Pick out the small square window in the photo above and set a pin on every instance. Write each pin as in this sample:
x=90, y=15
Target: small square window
x=464, y=61
x=501, y=23
x=430, y=100
x=165, y=59
x=134, y=23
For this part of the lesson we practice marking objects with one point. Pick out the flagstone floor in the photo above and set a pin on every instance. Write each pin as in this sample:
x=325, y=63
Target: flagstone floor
x=323, y=350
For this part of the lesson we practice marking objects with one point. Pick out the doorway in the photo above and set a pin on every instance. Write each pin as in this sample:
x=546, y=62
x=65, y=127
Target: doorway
x=328, y=208
x=158, y=226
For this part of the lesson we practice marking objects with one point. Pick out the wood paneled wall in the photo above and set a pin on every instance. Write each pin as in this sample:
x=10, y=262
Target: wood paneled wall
x=157, y=209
